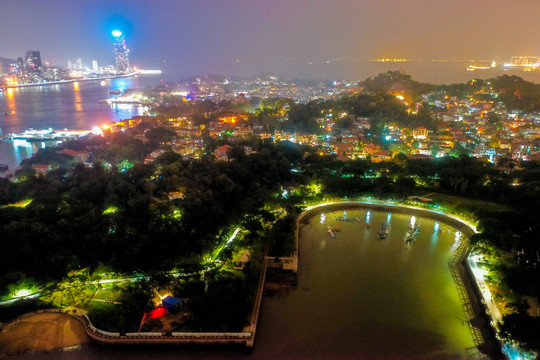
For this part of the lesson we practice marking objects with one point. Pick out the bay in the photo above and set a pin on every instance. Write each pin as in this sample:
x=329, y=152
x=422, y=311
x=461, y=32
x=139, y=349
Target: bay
x=73, y=106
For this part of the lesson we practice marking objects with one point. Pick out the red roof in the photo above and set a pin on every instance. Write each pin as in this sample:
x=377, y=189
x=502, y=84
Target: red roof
x=41, y=166
x=223, y=148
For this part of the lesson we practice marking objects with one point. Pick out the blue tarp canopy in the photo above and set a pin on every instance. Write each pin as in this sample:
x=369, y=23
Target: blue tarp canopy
x=170, y=302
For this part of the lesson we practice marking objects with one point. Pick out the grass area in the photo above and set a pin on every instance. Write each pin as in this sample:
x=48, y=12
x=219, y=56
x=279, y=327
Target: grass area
x=104, y=315
x=108, y=293
x=101, y=306
x=455, y=203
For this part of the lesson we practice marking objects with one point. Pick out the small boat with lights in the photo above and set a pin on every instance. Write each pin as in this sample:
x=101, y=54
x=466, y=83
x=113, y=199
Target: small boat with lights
x=383, y=232
x=412, y=234
x=331, y=232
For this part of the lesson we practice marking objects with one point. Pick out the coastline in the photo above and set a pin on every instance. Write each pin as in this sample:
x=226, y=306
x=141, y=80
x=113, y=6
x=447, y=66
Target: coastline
x=60, y=82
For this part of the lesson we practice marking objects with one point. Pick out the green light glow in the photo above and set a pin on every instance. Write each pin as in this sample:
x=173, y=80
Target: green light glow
x=22, y=293
x=125, y=165
x=110, y=210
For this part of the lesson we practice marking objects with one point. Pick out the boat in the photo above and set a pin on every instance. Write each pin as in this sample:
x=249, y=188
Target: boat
x=331, y=232
x=48, y=134
x=115, y=92
x=383, y=232
x=34, y=135
x=412, y=234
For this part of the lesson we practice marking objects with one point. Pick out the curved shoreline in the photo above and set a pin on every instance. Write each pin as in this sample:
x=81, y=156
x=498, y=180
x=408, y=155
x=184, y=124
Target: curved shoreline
x=479, y=323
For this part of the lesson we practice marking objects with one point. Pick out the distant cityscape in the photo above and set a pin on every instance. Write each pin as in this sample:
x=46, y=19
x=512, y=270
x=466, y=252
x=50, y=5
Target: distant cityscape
x=31, y=69
x=525, y=63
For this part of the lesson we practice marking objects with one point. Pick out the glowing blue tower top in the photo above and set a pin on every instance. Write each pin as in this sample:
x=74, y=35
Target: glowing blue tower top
x=121, y=52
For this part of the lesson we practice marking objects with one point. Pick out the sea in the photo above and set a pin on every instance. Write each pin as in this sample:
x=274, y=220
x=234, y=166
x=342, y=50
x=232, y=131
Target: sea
x=77, y=106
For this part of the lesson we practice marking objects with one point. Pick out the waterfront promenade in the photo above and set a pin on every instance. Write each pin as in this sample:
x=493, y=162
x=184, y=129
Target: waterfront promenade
x=473, y=296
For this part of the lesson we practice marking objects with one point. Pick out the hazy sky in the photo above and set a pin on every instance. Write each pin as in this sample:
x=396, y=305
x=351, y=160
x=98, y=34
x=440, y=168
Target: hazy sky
x=253, y=36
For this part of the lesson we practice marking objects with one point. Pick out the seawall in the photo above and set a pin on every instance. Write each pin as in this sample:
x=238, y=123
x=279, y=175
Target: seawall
x=468, y=291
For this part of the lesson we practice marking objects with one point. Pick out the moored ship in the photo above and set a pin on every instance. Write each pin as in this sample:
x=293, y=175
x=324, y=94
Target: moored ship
x=48, y=134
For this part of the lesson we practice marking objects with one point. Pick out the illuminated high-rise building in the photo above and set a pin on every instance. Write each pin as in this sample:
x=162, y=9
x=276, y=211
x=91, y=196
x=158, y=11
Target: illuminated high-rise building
x=95, y=67
x=32, y=61
x=121, y=52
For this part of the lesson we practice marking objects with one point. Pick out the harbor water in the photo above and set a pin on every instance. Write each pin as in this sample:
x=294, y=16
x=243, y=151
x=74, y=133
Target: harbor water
x=73, y=106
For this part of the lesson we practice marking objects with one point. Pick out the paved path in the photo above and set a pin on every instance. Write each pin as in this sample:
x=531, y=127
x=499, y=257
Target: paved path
x=486, y=294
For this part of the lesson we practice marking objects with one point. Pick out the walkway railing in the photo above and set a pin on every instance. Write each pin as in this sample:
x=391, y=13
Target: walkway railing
x=257, y=305
x=247, y=338
x=460, y=255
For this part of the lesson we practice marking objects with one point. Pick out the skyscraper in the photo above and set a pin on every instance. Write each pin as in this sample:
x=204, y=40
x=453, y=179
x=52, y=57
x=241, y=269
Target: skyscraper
x=121, y=52
x=32, y=61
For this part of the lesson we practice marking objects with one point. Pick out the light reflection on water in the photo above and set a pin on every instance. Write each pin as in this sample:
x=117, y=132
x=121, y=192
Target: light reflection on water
x=68, y=106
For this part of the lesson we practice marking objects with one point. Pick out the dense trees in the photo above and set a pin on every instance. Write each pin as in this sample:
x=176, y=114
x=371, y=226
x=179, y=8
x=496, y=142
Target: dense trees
x=81, y=216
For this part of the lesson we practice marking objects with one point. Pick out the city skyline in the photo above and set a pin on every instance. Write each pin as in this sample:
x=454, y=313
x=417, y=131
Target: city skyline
x=247, y=37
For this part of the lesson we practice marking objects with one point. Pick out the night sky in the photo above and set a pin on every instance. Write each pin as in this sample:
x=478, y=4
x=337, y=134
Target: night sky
x=249, y=37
